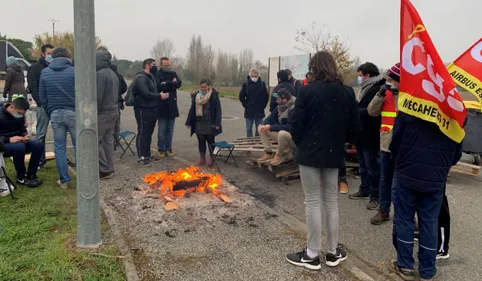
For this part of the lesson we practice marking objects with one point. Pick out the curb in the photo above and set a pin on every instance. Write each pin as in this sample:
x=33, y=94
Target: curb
x=129, y=266
x=354, y=266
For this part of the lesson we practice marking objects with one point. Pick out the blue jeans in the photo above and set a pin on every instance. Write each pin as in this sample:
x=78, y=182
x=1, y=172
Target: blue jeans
x=63, y=121
x=249, y=126
x=165, y=132
x=387, y=168
x=427, y=206
x=370, y=172
x=42, y=127
x=18, y=150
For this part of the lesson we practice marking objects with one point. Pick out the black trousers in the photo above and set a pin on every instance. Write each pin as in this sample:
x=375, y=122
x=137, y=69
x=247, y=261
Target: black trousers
x=444, y=227
x=202, y=141
x=146, y=122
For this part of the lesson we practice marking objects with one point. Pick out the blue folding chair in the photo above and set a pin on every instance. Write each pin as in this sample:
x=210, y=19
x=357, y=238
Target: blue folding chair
x=223, y=145
x=123, y=136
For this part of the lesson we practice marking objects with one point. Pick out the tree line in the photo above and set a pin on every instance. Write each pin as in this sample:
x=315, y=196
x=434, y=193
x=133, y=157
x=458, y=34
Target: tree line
x=202, y=60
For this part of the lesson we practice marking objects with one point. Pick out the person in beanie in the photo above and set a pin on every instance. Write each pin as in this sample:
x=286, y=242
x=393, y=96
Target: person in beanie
x=276, y=127
x=33, y=79
x=384, y=104
x=14, y=81
x=368, y=146
x=254, y=97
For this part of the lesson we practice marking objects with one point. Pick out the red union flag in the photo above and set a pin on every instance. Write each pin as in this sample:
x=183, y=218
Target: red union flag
x=427, y=91
x=467, y=70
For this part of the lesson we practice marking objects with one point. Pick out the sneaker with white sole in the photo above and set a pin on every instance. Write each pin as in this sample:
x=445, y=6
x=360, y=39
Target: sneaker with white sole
x=62, y=185
x=335, y=259
x=302, y=259
x=442, y=256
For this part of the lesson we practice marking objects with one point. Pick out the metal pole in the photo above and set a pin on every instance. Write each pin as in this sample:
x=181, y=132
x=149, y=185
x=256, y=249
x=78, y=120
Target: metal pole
x=87, y=161
x=53, y=26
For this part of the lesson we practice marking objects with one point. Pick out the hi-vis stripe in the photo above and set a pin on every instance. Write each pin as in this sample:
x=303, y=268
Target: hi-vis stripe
x=387, y=126
x=389, y=114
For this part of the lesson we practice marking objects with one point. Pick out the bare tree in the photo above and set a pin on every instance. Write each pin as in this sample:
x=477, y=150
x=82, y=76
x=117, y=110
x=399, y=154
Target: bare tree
x=200, y=60
x=233, y=63
x=164, y=48
x=314, y=39
x=222, y=68
x=246, y=61
x=263, y=70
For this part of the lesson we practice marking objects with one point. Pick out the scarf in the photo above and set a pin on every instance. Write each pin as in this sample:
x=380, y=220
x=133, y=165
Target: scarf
x=201, y=100
x=285, y=106
x=366, y=85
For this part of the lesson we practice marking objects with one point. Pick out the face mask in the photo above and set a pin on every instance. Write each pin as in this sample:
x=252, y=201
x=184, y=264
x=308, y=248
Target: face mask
x=17, y=116
x=167, y=68
x=48, y=58
x=153, y=69
x=254, y=79
x=359, y=80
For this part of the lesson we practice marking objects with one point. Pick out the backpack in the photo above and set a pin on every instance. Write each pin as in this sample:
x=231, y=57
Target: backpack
x=130, y=98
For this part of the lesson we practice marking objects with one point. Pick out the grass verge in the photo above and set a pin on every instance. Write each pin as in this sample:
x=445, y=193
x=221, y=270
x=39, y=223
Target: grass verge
x=38, y=236
x=224, y=91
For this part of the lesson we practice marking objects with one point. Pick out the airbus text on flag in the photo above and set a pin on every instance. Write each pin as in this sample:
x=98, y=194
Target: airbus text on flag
x=427, y=91
x=467, y=70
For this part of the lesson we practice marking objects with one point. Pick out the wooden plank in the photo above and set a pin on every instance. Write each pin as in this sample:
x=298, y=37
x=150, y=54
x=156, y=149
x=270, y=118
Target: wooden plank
x=463, y=172
x=224, y=198
x=464, y=166
x=48, y=156
x=287, y=172
x=249, y=149
x=170, y=206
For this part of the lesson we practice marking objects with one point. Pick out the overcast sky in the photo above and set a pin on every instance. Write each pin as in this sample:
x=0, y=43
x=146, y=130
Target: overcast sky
x=371, y=27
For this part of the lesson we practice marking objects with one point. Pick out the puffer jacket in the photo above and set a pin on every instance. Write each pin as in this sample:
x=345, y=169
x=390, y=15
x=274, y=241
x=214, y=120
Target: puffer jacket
x=57, y=86
x=14, y=82
x=423, y=154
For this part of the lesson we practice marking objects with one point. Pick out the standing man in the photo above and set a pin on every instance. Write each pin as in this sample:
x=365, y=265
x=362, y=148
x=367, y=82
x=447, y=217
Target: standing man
x=254, y=97
x=57, y=95
x=146, y=109
x=167, y=84
x=368, y=146
x=107, y=112
x=33, y=79
x=385, y=104
x=296, y=84
x=423, y=157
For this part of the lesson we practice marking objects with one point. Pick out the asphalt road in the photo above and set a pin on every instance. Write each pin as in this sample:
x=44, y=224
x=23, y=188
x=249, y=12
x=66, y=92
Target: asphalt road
x=370, y=243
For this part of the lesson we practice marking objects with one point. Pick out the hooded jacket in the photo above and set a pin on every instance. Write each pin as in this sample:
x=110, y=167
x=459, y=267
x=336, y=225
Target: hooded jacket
x=254, y=97
x=57, y=86
x=107, y=85
x=14, y=81
x=33, y=79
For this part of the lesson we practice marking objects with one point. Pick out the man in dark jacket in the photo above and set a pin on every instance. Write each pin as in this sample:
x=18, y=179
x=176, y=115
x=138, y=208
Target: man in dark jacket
x=146, y=109
x=423, y=157
x=167, y=84
x=283, y=83
x=17, y=143
x=107, y=112
x=254, y=97
x=277, y=127
x=368, y=146
x=33, y=79
x=57, y=96
x=296, y=84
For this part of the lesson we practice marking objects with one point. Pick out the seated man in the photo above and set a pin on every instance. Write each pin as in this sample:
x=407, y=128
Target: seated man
x=275, y=127
x=13, y=134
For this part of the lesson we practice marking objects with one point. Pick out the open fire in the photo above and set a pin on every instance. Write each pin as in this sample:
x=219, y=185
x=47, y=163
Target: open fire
x=183, y=182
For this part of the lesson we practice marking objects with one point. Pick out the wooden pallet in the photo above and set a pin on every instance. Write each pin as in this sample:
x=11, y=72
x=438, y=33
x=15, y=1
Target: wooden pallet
x=48, y=156
x=466, y=169
x=287, y=172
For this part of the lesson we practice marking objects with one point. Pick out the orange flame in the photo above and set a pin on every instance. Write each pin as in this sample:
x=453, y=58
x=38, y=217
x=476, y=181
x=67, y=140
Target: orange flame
x=166, y=181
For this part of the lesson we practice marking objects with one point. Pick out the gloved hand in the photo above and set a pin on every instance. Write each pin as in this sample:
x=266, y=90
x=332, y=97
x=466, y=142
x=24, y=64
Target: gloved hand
x=383, y=89
x=121, y=105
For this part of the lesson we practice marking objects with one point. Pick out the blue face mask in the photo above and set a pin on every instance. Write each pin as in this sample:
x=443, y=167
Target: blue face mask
x=359, y=80
x=48, y=58
x=17, y=116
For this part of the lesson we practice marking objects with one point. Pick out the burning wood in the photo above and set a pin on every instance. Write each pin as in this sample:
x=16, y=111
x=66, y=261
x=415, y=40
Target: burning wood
x=183, y=182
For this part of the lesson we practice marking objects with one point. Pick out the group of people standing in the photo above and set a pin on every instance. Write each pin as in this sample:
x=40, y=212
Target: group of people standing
x=403, y=159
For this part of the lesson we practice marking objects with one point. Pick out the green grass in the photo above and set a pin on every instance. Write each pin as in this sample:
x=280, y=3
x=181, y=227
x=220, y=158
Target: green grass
x=38, y=236
x=224, y=91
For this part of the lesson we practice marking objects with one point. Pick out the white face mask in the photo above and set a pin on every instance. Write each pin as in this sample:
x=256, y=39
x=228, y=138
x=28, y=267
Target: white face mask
x=254, y=79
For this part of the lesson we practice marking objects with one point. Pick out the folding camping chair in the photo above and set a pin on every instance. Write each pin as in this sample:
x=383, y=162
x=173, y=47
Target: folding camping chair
x=123, y=136
x=220, y=146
